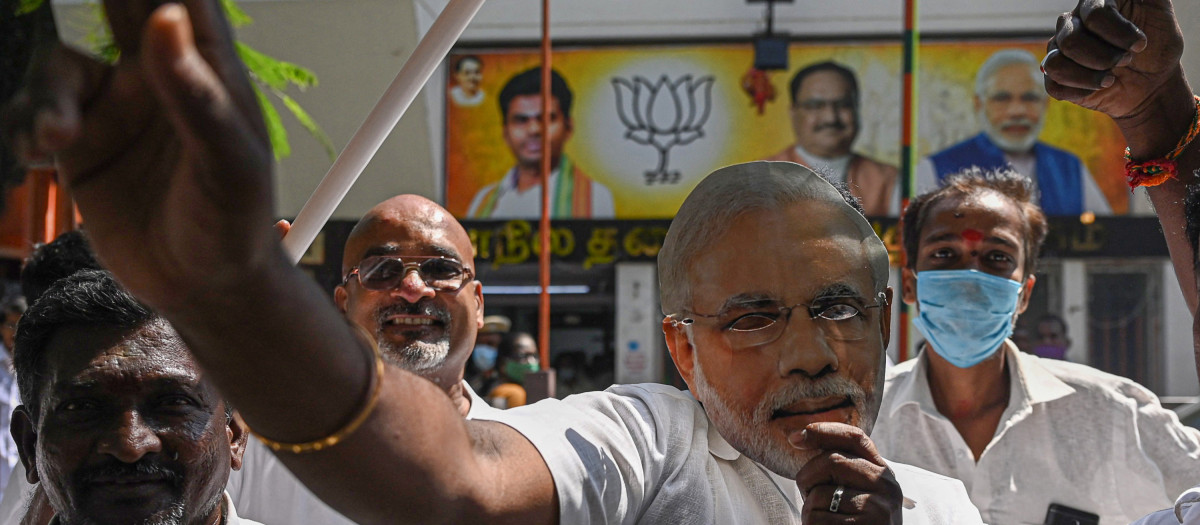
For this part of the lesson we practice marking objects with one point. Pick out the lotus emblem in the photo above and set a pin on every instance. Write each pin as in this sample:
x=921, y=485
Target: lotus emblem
x=663, y=114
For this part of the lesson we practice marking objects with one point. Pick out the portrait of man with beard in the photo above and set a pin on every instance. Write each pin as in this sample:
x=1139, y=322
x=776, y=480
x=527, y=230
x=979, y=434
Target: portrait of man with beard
x=1010, y=106
x=410, y=283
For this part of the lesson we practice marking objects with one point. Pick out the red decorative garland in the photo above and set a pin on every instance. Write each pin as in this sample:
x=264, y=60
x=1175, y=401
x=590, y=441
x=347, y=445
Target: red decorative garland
x=1157, y=171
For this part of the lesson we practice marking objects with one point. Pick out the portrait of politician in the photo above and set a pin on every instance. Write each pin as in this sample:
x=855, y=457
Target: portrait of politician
x=825, y=120
x=1010, y=106
x=468, y=77
x=518, y=193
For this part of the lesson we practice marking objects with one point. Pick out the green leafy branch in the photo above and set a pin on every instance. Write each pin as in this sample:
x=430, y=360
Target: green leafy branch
x=270, y=76
x=274, y=76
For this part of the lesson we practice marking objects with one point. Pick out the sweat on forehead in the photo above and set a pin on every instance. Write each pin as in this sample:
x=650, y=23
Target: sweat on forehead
x=726, y=194
x=404, y=212
x=89, y=298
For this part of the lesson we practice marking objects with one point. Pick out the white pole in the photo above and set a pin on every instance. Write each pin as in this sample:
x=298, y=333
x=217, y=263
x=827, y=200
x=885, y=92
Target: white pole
x=430, y=52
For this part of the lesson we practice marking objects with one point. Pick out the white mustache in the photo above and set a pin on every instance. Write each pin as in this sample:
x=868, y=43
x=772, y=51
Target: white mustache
x=831, y=386
x=1019, y=122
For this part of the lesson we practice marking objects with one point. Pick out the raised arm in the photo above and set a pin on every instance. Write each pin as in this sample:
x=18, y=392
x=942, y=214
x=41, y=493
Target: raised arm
x=1121, y=57
x=168, y=159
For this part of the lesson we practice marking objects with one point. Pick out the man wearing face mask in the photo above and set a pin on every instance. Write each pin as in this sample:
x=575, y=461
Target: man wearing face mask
x=1024, y=434
x=481, y=368
x=517, y=357
x=1051, y=337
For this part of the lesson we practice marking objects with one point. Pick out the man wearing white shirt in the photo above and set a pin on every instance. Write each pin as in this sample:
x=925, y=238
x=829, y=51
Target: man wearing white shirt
x=12, y=310
x=778, y=433
x=418, y=327
x=517, y=195
x=122, y=425
x=1022, y=433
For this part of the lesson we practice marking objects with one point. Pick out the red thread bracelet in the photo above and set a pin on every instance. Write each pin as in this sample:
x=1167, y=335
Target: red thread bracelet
x=1157, y=171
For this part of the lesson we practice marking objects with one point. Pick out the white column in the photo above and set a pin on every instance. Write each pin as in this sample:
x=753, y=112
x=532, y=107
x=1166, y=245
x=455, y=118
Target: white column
x=1179, y=362
x=639, y=339
x=1075, y=308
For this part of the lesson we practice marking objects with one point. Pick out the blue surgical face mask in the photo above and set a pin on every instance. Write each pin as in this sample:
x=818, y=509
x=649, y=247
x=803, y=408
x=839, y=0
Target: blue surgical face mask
x=965, y=314
x=484, y=356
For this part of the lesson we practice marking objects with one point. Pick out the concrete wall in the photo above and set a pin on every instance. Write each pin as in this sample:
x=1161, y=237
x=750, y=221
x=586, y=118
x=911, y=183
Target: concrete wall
x=355, y=47
x=1189, y=19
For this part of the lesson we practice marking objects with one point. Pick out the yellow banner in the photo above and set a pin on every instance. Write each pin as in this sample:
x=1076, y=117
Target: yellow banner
x=646, y=123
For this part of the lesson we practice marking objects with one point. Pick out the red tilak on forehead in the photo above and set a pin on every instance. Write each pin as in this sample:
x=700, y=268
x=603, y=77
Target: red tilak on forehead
x=972, y=235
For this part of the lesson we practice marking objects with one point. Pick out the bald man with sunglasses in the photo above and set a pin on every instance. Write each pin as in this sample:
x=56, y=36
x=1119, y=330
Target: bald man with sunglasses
x=409, y=281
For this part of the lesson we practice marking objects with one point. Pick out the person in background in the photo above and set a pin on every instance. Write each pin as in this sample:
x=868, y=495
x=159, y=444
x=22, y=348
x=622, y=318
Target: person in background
x=1051, y=341
x=481, y=368
x=571, y=374
x=518, y=356
x=468, y=75
x=13, y=307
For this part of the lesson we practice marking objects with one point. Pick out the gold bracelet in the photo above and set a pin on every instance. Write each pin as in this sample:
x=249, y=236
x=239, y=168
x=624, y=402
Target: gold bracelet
x=344, y=432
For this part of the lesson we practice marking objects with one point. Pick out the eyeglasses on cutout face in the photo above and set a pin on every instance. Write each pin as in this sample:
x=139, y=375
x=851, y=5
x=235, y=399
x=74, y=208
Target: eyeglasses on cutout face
x=386, y=272
x=841, y=318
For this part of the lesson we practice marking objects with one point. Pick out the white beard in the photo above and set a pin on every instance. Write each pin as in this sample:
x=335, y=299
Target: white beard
x=1007, y=145
x=747, y=432
x=417, y=356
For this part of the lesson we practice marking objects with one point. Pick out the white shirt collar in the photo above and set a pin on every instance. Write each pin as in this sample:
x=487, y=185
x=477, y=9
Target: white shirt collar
x=510, y=180
x=1031, y=383
x=479, y=406
x=717, y=445
x=837, y=165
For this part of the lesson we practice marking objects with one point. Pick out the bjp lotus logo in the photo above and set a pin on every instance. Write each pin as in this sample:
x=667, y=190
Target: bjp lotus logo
x=663, y=114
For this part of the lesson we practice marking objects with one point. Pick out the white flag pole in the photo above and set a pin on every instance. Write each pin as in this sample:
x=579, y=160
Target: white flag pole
x=430, y=52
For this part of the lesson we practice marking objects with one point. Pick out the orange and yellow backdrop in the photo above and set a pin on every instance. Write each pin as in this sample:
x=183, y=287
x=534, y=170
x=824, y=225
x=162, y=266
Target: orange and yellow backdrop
x=476, y=154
